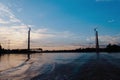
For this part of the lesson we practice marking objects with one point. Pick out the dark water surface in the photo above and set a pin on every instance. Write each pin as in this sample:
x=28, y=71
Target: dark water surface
x=60, y=66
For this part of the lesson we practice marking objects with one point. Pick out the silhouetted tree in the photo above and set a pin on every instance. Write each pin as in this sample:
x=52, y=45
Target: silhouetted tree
x=113, y=48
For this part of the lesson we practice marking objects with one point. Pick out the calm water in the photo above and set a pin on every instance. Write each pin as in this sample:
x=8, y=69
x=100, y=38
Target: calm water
x=57, y=66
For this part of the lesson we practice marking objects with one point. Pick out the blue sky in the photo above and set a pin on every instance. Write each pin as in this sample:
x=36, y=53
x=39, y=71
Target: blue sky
x=60, y=24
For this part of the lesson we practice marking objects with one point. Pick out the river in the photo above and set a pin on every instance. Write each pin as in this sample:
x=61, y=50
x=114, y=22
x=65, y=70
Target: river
x=60, y=66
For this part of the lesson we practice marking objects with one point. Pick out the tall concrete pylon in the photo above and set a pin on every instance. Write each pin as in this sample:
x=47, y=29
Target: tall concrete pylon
x=96, y=40
x=29, y=39
x=28, y=55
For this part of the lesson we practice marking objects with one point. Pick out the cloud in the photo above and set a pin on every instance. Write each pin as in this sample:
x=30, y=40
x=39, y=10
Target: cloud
x=105, y=40
x=18, y=36
x=3, y=21
x=110, y=39
x=44, y=38
x=14, y=30
x=6, y=15
x=111, y=21
x=11, y=28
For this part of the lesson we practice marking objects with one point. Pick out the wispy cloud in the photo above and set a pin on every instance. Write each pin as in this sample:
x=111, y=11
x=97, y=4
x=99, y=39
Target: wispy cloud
x=14, y=30
x=3, y=21
x=111, y=21
x=6, y=15
x=44, y=38
x=105, y=39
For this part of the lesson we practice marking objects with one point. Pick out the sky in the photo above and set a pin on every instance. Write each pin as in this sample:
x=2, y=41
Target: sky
x=59, y=24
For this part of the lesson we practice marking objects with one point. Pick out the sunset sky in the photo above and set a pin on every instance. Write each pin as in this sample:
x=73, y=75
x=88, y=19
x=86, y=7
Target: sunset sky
x=59, y=24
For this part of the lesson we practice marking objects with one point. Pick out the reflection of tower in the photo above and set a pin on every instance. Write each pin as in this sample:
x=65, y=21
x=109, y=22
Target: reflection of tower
x=96, y=40
x=29, y=38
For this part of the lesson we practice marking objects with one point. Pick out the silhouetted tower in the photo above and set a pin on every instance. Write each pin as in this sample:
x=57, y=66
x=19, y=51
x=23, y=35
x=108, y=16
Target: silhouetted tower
x=29, y=39
x=96, y=40
x=29, y=43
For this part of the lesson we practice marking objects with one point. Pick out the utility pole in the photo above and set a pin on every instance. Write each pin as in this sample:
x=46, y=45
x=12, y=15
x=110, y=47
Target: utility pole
x=8, y=44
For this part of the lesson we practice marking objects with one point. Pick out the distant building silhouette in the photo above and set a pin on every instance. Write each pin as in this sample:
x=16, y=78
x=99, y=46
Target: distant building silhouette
x=0, y=47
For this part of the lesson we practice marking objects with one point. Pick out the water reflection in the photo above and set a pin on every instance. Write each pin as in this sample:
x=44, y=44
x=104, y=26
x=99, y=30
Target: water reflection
x=18, y=67
x=10, y=60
